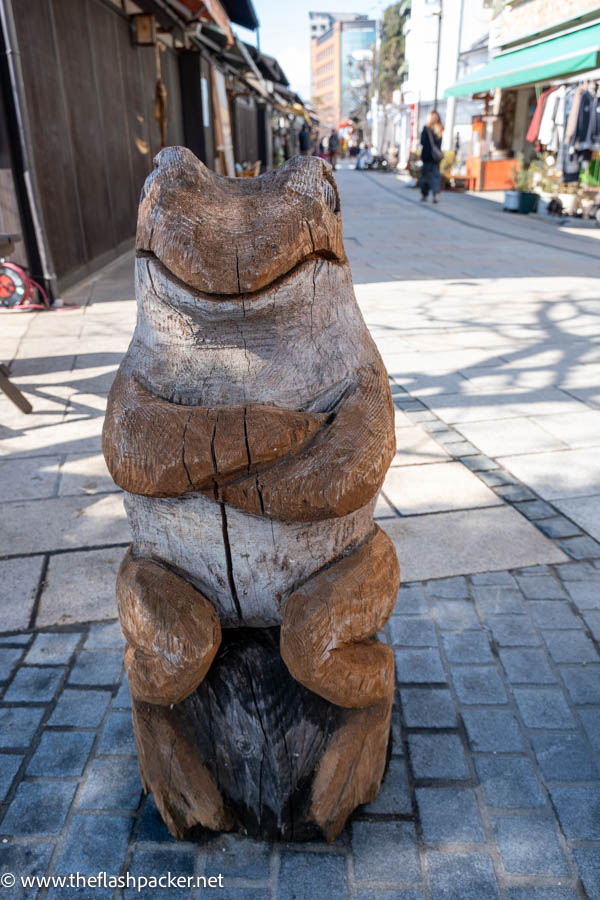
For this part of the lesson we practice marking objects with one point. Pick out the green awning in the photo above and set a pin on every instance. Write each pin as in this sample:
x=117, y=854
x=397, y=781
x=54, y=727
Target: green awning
x=556, y=57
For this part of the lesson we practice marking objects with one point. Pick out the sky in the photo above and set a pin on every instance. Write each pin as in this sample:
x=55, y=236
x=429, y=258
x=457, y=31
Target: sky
x=284, y=32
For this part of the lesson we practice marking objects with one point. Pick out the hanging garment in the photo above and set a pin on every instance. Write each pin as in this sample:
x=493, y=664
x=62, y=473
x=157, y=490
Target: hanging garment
x=586, y=108
x=591, y=139
x=547, y=132
x=573, y=115
x=534, y=125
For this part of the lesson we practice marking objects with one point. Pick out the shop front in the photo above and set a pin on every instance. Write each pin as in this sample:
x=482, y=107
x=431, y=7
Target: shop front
x=541, y=127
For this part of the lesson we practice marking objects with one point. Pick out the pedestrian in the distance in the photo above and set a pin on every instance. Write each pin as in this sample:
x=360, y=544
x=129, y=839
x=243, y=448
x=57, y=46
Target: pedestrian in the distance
x=333, y=148
x=431, y=156
x=305, y=140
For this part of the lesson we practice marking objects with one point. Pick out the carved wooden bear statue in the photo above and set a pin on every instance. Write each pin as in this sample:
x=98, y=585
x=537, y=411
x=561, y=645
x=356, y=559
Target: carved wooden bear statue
x=251, y=426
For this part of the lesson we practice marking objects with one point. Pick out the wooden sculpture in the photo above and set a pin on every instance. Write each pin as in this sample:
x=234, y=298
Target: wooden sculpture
x=251, y=425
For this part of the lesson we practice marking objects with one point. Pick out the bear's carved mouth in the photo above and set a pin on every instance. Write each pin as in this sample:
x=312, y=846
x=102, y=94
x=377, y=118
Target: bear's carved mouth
x=242, y=296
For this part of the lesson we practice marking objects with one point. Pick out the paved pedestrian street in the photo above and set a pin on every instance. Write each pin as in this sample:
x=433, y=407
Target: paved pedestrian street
x=489, y=326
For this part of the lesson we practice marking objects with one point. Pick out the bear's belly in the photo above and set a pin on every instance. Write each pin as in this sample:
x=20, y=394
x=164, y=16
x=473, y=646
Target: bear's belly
x=245, y=565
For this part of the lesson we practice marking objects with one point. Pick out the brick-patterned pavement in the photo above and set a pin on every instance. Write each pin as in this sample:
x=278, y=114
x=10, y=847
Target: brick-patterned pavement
x=493, y=501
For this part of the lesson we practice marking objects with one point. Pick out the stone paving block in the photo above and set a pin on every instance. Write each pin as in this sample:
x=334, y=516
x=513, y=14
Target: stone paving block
x=564, y=473
x=117, y=737
x=312, y=876
x=455, y=543
x=84, y=709
x=467, y=647
x=497, y=601
x=428, y=708
x=478, y=685
x=385, y=851
x=411, y=600
x=585, y=594
x=390, y=895
x=449, y=815
x=34, y=684
x=94, y=844
x=240, y=893
x=461, y=876
x=410, y=632
x=235, y=857
x=415, y=447
x=18, y=724
x=463, y=448
x=592, y=620
x=38, y=808
x=76, y=522
x=105, y=636
x=580, y=547
x=514, y=493
x=578, y=810
x=578, y=571
x=543, y=708
x=442, y=486
x=588, y=863
x=123, y=698
x=479, y=463
x=16, y=640
x=448, y=589
x=80, y=586
x=53, y=649
x=512, y=631
x=509, y=782
x=541, y=587
x=454, y=615
x=85, y=474
x=585, y=511
x=564, y=757
x=158, y=862
x=527, y=666
x=591, y=723
x=493, y=730
x=529, y=847
x=415, y=666
x=19, y=580
x=151, y=827
x=542, y=893
x=583, y=684
x=499, y=579
x=570, y=647
x=28, y=479
x=493, y=479
x=553, y=614
x=394, y=794
x=9, y=657
x=439, y=756
x=24, y=859
x=535, y=509
x=9, y=766
x=559, y=527
x=61, y=754
x=509, y=436
x=97, y=667
x=111, y=783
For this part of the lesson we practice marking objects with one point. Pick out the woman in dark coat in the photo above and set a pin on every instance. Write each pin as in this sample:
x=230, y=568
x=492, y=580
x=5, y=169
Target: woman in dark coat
x=431, y=156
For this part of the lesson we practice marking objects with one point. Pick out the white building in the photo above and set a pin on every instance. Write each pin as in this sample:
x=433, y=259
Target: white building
x=444, y=39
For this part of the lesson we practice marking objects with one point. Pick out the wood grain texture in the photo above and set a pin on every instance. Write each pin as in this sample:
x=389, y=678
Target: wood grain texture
x=172, y=631
x=251, y=425
x=186, y=211
x=194, y=448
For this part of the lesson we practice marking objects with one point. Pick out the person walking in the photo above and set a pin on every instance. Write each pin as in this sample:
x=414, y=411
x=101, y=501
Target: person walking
x=305, y=140
x=431, y=156
x=333, y=148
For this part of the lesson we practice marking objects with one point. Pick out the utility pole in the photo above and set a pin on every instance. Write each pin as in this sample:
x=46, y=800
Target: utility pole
x=437, y=55
x=451, y=104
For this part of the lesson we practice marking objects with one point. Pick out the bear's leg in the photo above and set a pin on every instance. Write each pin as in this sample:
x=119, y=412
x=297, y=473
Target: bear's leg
x=173, y=634
x=328, y=646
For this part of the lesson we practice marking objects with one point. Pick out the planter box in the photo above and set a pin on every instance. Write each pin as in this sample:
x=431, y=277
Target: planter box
x=527, y=202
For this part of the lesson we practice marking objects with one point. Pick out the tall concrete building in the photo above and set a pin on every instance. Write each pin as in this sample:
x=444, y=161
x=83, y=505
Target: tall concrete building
x=341, y=44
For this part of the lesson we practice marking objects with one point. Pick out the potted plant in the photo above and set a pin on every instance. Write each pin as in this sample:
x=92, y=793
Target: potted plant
x=521, y=199
x=568, y=197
